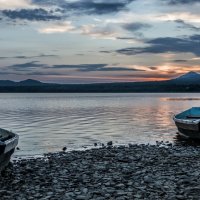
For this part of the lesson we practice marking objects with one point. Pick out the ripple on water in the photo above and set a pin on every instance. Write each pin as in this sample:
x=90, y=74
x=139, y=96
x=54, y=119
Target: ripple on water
x=47, y=122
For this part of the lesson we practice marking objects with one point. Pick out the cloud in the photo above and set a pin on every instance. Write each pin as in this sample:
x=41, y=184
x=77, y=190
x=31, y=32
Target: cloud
x=104, y=32
x=44, y=68
x=38, y=73
x=105, y=51
x=183, y=24
x=94, y=67
x=135, y=26
x=126, y=38
x=167, y=44
x=98, y=7
x=170, y=15
x=60, y=27
x=81, y=66
x=147, y=76
x=46, y=10
x=180, y=61
x=174, y=2
x=27, y=66
x=15, y=4
x=27, y=57
x=37, y=14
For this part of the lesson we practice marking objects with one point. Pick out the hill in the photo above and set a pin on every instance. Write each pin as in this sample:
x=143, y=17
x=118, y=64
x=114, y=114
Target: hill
x=28, y=82
x=188, y=78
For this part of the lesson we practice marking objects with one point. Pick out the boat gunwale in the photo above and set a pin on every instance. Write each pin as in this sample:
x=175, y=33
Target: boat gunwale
x=10, y=143
x=186, y=121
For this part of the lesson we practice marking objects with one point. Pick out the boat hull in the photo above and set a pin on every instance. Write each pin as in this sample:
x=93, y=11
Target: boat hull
x=188, y=134
x=5, y=159
x=188, y=123
x=7, y=147
x=188, y=129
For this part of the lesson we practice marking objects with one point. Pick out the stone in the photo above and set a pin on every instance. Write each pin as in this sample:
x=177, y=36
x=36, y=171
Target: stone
x=134, y=172
x=64, y=148
x=110, y=143
x=81, y=197
x=148, y=179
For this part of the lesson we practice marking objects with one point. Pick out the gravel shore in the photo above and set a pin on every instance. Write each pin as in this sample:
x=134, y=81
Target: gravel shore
x=135, y=172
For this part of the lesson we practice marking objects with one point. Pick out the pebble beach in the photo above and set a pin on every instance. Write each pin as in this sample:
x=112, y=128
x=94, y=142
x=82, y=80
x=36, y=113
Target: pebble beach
x=124, y=172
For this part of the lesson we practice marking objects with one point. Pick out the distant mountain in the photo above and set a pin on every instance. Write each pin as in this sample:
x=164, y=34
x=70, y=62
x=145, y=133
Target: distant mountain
x=30, y=82
x=7, y=83
x=188, y=78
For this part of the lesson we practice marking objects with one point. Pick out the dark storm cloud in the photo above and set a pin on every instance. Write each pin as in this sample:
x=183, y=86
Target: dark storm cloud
x=30, y=14
x=183, y=24
x=87, y=6
x=174, y=2
x=133, y=27
x=167, y=44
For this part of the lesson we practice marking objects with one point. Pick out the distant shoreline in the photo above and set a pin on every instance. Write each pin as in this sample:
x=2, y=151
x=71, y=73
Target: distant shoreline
x=189, y=83
x=100, y=89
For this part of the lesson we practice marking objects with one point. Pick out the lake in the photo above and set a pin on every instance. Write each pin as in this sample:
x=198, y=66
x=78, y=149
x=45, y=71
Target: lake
x=48, y=122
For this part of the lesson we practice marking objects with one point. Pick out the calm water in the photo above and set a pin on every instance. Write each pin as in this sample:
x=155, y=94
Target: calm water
x=47, y=122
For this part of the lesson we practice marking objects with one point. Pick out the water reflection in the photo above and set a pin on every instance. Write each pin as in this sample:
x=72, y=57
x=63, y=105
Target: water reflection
x=180, y=99
x=186, y=142
x=47, y=122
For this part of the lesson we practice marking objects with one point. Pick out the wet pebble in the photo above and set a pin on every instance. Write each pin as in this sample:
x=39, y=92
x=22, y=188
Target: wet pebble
x=161, y=171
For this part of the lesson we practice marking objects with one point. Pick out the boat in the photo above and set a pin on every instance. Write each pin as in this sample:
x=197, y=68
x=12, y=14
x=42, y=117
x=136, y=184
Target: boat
x=188, y=123
x=8, y=142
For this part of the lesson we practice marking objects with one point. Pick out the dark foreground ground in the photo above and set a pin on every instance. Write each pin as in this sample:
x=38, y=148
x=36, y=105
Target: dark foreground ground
x=135, y=172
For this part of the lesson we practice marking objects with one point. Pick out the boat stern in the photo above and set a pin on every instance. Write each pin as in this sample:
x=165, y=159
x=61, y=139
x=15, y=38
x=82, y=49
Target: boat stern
x=7, y=147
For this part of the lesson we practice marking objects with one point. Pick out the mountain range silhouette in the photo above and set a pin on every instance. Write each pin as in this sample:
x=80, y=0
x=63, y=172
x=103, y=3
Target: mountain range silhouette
x=189, y=82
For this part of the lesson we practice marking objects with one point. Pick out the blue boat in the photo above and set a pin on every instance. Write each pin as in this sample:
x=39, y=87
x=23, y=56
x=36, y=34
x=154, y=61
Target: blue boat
x=8, y=142
x=188, y=123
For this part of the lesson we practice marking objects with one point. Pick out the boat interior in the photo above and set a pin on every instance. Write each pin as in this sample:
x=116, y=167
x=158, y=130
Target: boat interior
x=5, y=135
x=193, y=113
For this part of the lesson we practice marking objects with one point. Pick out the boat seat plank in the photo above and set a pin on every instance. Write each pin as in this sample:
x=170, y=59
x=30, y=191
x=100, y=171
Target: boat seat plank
x=193, y=116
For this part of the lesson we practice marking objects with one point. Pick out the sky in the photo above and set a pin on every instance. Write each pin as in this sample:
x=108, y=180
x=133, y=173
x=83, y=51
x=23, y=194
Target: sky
x=89, y=41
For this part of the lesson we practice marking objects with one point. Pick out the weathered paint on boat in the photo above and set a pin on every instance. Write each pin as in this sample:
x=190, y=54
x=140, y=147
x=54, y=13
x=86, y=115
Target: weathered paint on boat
x=188, y=123
x=8, y=142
